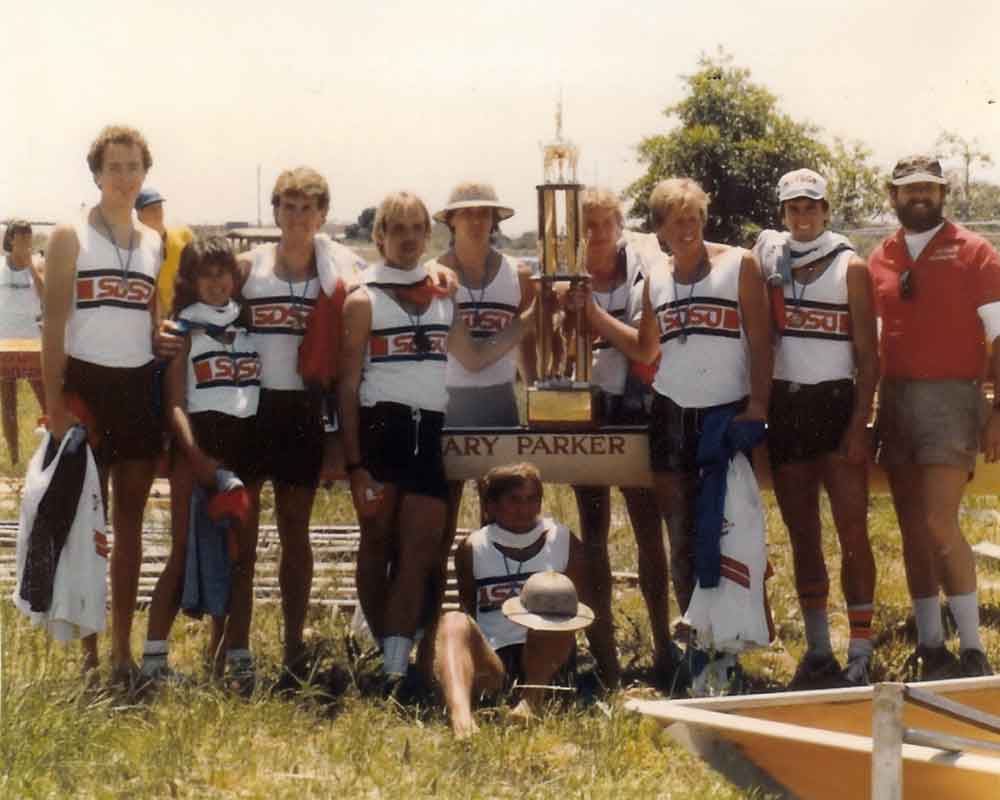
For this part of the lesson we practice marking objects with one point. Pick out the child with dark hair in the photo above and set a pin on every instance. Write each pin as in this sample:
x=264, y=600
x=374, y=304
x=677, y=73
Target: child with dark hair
x=212, y=391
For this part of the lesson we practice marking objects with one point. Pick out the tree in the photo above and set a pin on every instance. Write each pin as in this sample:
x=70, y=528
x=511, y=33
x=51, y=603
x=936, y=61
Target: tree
x=362, y=229
x=735, y=142
x=969, y=153
x=856, y=190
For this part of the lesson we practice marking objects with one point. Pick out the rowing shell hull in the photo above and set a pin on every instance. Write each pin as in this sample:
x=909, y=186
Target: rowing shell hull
x=817, y=745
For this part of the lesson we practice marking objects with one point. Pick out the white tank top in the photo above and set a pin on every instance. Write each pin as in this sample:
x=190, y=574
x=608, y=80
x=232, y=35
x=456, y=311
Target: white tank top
x=19, y=304
x=223, y=377
x=610, y=366
x=486, y=312
x=816, y=343
x=712, y=366
x=278, y=313
x=394, y=371
x=499, y=577
x=111, y=324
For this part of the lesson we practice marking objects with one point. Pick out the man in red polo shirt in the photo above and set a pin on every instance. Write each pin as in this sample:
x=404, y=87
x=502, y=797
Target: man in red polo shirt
x=937, y=290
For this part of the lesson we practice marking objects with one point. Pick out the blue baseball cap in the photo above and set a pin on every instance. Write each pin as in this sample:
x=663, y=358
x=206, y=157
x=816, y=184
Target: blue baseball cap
x=147, y=197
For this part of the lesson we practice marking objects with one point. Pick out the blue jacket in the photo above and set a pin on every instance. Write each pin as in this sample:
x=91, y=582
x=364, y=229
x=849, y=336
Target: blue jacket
x=721, y=439
x=207, y=571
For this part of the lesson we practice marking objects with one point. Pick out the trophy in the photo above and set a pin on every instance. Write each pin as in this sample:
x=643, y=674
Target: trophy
x=555, y=399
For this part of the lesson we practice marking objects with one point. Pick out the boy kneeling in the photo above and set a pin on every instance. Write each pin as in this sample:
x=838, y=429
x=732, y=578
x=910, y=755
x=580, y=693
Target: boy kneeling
x=520, y=614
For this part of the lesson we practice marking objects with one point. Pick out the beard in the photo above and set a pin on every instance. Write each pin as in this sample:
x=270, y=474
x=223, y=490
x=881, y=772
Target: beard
x=920, y=216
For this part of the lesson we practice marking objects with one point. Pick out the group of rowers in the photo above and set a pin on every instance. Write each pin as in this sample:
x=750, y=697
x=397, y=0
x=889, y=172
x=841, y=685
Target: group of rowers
x=785, y=333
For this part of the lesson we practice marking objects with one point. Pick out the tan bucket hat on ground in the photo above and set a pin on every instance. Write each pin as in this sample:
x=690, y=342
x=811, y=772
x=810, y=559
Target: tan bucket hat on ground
x=548, y=603
x=474, y=195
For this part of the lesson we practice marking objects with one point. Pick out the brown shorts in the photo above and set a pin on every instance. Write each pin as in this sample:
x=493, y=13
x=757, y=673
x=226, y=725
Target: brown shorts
x=122, y=402
x=930, y=422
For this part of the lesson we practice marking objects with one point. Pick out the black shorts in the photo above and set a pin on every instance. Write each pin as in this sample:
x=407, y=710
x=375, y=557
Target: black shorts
x=288, y=438
x=807, y=421
x=631, y=408
x=122, y=402
x=400, y=449
x=227, y=438
x=674, y=433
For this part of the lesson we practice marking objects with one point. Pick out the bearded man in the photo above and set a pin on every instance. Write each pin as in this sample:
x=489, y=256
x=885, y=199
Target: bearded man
x=937, y=290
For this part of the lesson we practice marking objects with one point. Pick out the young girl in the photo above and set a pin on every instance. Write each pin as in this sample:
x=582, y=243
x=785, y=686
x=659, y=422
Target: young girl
x=212, y=390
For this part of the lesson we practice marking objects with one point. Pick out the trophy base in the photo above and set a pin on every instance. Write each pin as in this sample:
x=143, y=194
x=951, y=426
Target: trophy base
x=571, y=407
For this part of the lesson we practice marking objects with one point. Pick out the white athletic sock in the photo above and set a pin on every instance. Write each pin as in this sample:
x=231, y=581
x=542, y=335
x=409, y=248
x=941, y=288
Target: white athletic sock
x=154, y=656
x=396, y=654
x=965, y=610
x=817, y=624
x=927, y=611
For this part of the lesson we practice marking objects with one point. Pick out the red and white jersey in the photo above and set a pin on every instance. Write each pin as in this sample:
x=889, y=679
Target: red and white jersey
x=816, y=343
x=487, y=312
x=395, y=370
x=79, y=589
x=111, y=322
x=278, y=310
x=223, y=377
x=704, y=357
x=499, y=577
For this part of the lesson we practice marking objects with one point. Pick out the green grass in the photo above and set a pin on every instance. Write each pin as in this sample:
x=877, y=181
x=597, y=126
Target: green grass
x=59, y=740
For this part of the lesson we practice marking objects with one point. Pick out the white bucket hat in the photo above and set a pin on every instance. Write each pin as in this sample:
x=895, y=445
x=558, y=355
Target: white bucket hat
x=474, y=195
x=548, y=603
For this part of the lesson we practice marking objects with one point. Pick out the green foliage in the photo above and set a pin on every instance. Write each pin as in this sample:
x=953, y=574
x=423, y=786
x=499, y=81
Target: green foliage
x=735, y=142
x=967, y=151
x=362, y=229
x=856, y=190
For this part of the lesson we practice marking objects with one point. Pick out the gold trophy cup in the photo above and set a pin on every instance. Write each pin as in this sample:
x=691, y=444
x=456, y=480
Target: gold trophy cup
x=557, y=400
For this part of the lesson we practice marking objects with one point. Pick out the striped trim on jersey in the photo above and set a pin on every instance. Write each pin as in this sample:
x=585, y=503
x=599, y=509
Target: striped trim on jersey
x=282, y=314
x=399, y=344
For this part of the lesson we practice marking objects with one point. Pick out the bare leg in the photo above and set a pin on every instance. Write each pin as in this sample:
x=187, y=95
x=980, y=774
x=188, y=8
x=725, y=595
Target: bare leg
x=653, y=569
x=130, y=482
x=374, y=550
x=241, y=591
x=543, y=655
x=796, y=487
x=293, y=507
x=170, y=585
x=943, y=487
x=847, y=487
x=463, y=664
x=906, y=484
x=8, y=413
x=420, y=528
x=675, y=495
x=594, y=506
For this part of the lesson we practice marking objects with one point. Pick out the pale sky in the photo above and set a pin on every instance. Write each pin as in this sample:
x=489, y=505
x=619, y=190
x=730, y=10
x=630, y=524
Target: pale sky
x=381, y=96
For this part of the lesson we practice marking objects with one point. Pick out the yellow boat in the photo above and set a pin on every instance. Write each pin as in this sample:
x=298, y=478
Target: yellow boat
x=938, y=740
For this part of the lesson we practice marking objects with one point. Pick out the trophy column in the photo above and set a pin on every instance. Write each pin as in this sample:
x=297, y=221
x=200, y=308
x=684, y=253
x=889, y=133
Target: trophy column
x=562, y=395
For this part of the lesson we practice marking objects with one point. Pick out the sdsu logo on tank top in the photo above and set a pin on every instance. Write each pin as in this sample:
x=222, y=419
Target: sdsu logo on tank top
x=111, y=324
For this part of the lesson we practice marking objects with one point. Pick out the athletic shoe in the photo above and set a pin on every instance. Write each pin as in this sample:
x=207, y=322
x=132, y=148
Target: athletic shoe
x=928, y=663
x=817, y=671
x=856, y=673
x=241, y=676
x=972, y=663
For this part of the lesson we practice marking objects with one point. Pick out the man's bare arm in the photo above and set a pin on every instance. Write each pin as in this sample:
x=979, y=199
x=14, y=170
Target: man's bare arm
x=63, y=250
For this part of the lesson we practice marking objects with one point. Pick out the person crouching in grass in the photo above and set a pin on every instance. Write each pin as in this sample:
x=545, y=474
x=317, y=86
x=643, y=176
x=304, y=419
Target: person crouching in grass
x=516, y=586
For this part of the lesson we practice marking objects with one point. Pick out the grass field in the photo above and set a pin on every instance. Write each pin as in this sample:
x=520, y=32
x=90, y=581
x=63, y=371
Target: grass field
x=195, y=741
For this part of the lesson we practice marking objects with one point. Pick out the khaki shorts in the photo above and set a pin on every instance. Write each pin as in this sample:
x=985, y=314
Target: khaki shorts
x=930, y=422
